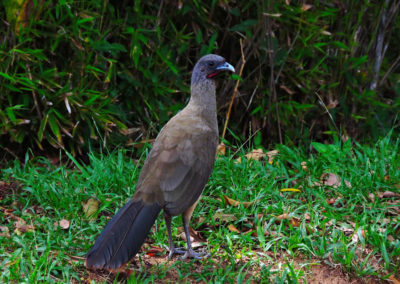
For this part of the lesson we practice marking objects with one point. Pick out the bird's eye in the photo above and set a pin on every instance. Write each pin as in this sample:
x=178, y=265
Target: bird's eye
x=211, y=64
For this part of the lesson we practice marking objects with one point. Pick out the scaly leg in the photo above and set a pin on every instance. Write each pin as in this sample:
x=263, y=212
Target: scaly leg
x=172, y=249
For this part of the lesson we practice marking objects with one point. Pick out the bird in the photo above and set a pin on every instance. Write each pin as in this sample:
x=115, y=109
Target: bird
x=173, y=176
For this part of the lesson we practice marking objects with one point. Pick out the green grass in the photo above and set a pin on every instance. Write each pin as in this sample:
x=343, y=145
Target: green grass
x=275, y=251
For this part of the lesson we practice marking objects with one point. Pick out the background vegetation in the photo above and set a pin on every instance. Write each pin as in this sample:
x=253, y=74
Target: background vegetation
x=73, y=71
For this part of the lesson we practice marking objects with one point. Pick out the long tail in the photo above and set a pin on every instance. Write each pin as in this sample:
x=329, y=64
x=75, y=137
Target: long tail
x=123, y=236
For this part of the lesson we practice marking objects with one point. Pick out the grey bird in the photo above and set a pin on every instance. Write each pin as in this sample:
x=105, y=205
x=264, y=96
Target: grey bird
x=173, y=176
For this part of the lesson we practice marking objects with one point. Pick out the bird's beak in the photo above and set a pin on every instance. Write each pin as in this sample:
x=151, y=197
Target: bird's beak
x=225, y=67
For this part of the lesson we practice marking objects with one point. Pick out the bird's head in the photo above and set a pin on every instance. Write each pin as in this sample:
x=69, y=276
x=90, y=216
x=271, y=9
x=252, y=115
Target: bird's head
x=209, y=66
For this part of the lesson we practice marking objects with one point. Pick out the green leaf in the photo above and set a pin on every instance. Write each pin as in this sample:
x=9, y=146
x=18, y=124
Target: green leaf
x=7, y=77
x=243, y=26
x=42, y=126
x=321, y=148
x=54, y=126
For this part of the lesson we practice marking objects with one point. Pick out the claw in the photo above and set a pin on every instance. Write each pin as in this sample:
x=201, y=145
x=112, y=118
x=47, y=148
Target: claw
x=174, y=250
x=196, y=255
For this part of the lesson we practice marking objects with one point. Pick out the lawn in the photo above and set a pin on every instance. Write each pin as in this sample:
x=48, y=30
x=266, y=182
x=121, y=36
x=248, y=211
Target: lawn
x=327, y=213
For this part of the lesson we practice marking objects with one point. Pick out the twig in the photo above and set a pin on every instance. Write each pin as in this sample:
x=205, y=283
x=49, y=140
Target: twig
x=34, y=94
x=228, y=114
x=327, y=111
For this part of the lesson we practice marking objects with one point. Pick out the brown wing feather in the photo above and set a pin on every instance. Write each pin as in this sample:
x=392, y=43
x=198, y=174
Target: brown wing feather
x=179, y=165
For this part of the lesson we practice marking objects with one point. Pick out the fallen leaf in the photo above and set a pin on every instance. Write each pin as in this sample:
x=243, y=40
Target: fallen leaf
x=256, y=154
x=271, y=155
x=234, y=202
x=287, y=90
x=4, y=232
x=305, y=7
x=333, y=180
x=330, y=179
x=330, y=201
x=332, y=104
x=389, y=194
x=371, y=196
x=64, y=224
x=390, y=238
x=393, y=280
x=224, y=217
x=221, y=149
x=232, y=228
x=284, y=216
x=22, y=227
x=290, y=190
x=295, y=222
x=230, y=201
x=90, y=208
x=154, y=250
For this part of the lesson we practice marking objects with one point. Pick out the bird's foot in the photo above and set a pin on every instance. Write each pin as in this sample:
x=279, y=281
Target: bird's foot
x=174, y=250
x=190, y=253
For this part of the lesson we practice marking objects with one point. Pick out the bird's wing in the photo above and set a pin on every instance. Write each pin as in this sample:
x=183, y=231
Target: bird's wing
x=179, y=165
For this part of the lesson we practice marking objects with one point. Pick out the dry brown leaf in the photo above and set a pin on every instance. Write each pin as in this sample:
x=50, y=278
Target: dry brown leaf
x=271, y=155
x=330, y=179
x=330, y=201
x=4, y=232
x=90, y=208
x=389, y=194
x=393, y=280
x=287, y=90
x=22, y=227
x=333, y=180
x=64, y=224
x=256, y=154
x=306, y=7
x=221, y=149
x=284, y=216
x=390, y=238
x=332, y=104
x=230, y=201
x=234, y=202
x=154, y=250
x=224, y=217
x=371, y=196
x=295, y=222
x=232, y=228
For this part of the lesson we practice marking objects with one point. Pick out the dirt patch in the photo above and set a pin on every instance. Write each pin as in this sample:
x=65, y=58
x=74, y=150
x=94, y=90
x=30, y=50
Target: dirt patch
x=315, y=272
x=7, y=189
x=324, y=274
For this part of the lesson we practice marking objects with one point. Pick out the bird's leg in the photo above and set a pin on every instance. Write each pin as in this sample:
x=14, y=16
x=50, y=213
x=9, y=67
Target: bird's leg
x=190, y=252
x=172, y=249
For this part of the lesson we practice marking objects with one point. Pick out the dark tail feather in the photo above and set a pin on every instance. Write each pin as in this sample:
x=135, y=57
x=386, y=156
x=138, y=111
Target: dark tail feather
x=123, y=236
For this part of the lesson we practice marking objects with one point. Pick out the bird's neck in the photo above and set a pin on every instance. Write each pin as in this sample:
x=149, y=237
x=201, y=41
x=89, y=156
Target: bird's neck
x=203, y=100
